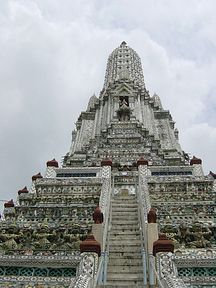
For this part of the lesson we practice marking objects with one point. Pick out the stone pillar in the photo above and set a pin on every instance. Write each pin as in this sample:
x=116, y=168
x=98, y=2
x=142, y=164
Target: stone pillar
x=50, y=171
x=80, y=142
x=73, y=140
x=106, y=186
x=197, y=166
x=98, y=127
x=105, y=111
x=95, y=123
x=213, y=175
x=90, y=245
x=97, y=227
x=143, y=185
x=34, y=178
x=76, y=141
x=139, y=108
x=152, y=232
x=23, y=191
x=163, y=245
x=108, y=114
x=152, y=229
x=115, y=108
x=90, y=251
x=9, y=210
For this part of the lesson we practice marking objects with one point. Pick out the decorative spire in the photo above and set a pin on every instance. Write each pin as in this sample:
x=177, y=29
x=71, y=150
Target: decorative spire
x=92, y=102
x=157, y=101
x=125, y=63
x=123, y=44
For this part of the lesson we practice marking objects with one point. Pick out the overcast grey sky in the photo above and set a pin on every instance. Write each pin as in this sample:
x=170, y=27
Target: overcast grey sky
x=53, y=57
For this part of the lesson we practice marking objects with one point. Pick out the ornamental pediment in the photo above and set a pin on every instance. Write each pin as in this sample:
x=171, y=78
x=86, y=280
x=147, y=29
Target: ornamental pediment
x=124, y=89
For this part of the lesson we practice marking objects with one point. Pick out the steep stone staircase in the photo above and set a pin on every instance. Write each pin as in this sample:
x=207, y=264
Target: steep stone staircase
x=125, y=260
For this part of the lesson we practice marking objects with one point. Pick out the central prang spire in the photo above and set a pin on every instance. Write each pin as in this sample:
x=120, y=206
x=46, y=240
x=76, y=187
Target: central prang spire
x=124, y=122
x=124, y=63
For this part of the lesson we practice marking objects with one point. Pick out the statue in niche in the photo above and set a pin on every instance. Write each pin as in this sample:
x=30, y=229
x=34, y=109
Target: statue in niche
x=124, y=110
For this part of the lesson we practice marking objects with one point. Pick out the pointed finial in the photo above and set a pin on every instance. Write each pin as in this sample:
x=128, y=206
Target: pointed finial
x=123, y=44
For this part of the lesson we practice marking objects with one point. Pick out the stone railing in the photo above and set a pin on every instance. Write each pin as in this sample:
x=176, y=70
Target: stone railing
x=105, y=206
x=167, y=272
x=104, y=203
x=144, y=207
x=87, y=271
x=169, y=266
x=143, y=189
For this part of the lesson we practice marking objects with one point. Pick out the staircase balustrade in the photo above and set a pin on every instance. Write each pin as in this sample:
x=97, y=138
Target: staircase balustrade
x=107, y=208
x=142, y=222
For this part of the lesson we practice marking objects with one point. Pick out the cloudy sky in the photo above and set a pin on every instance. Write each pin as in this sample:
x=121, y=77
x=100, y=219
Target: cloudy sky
x=53, y=56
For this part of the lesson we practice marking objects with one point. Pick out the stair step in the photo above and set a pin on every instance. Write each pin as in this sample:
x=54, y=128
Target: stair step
x=125, y=242
x=125, y=276
x=124, y=205
x=112, y=285
x=129, y=237
x=124, y=201
x=133, y=231
x=124, y=269
x=128, y=197
x=125, y=227
x=125, y=232
x=124, y=222
x=125, y=255
x=124, y=216
x=129, y=210
x=124, y=261
x=121, y=249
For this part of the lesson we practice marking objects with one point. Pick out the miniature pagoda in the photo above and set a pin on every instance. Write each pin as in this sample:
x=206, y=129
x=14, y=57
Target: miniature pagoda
x=127, y=208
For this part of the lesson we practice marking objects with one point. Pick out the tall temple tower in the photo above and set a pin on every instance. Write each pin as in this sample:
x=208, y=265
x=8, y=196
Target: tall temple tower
x=124, y=122
x=128, y=208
